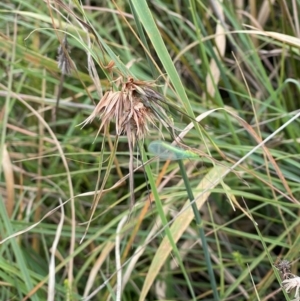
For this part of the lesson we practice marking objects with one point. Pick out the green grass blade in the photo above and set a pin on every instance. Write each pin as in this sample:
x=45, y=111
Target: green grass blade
x=24, y=275
x=166, y=229
x=147, y=20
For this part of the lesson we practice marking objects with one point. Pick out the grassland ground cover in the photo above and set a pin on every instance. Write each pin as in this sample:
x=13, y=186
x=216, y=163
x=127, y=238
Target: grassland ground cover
x=149, y=150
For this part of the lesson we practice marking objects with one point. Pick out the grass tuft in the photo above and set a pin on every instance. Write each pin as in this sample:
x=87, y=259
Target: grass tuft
x=89, y=213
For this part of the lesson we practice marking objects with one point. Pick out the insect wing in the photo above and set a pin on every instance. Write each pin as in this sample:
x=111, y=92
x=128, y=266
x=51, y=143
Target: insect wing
x=167, y=151
x=158, y=148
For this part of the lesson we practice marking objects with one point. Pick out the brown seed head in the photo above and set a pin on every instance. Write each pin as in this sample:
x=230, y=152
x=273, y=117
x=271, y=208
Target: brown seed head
x=128, y=108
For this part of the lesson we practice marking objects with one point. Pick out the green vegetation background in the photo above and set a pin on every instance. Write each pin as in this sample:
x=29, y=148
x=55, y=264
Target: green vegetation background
x=233, y=66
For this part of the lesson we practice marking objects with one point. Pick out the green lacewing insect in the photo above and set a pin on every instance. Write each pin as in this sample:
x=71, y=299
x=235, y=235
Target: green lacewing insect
x=166, y=151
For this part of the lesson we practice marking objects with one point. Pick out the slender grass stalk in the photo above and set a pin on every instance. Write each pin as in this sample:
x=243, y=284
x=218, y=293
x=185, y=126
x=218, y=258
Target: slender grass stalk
x=160, y=211
x=198, y=61
x=187, y=185
x=200, y=230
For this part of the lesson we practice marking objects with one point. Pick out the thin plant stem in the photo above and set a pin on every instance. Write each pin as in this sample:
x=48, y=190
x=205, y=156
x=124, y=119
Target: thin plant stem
x=200, y=229
x=160, y=211
x=185, y=178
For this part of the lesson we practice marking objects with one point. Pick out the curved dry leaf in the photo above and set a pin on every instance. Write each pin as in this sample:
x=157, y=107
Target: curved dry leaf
x=275, y=35
x=264, y=12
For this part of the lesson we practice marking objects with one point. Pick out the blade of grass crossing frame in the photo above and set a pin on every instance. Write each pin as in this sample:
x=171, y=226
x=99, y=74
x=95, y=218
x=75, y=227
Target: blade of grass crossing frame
x=150, y=27
x=7, y=227
x=160, y=211
x=143, y=39
x=177, y=229
x=167, y=151
x=147, y=20
x=200, y=230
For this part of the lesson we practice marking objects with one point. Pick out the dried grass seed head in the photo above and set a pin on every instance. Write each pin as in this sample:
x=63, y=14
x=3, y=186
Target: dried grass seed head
x=129, y=109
